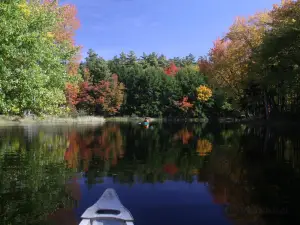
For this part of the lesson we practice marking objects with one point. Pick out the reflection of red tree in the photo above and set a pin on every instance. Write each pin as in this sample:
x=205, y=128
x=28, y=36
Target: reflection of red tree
x=71, y=155
x=220, y=195
x=184, y=135
x=219, y=189
x=170, y=168
x=111, y=144
x=64, y=217
x=85, y=150
x=108, y=146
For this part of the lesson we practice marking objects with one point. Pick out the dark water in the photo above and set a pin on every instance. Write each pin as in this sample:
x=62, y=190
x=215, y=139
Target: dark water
x=168, y=174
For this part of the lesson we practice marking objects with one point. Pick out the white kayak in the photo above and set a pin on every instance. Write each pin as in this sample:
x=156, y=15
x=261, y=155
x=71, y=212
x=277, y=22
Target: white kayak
x=108, y=210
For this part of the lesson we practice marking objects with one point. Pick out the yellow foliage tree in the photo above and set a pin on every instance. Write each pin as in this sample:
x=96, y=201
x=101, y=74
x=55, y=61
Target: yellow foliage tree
x=204, y=93
x=229, y=58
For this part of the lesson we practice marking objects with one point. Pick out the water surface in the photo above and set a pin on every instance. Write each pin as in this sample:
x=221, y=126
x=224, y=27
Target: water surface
x=166, y=174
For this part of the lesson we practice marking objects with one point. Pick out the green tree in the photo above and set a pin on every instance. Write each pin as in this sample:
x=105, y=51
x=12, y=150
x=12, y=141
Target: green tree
x=97, y=66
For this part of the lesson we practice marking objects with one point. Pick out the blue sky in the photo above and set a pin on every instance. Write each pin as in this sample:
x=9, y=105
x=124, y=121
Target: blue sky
x=171, y=27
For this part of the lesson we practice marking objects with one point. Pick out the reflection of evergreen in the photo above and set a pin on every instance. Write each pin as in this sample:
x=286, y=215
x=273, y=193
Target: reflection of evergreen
x=260, y=186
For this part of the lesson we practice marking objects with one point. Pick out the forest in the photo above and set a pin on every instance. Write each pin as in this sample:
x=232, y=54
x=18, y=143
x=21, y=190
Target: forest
x=252, y=71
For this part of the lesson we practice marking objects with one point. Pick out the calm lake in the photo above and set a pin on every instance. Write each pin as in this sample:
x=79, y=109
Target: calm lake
x=169, y=174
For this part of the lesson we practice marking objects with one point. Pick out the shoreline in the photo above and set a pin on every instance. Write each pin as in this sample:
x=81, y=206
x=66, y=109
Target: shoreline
x=49, y=120
x=55, y=120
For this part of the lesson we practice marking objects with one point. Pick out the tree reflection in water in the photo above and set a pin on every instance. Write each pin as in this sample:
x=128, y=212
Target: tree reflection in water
x=255, y=178
x=32, y=172
x=252, y=171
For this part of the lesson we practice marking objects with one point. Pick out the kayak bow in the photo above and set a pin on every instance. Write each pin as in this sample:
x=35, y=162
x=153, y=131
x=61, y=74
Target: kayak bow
x=108, y=210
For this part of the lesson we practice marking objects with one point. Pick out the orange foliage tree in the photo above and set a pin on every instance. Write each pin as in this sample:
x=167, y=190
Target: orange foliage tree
x=184, y=105
x=64, y=33
x=228, y=62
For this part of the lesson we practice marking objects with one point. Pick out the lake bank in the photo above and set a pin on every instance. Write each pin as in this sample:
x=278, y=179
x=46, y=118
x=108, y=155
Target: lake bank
x=49, y=120
x=17, y=120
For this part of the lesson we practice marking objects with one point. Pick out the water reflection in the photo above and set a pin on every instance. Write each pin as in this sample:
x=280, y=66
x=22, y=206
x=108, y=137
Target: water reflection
x=180, y=173
x=32, y=172
x=106, y=144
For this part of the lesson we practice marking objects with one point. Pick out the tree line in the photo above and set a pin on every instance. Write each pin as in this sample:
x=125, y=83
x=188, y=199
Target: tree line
x=252, y=71
x=147, y=86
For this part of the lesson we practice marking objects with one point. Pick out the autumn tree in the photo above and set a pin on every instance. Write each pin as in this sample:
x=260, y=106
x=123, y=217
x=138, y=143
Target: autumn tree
x=275, y=66
x=229, y=58
x=203, y=93
x=105, y=97
x=32, y=74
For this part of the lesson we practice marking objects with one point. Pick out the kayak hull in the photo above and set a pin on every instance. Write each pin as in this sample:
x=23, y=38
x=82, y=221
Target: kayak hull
x=108, y=210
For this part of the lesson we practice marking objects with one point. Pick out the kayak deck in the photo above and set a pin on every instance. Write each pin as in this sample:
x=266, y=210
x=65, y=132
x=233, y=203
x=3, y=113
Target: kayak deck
x=108, y=210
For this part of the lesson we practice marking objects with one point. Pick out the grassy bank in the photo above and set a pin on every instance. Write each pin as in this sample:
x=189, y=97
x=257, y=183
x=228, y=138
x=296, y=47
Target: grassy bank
x=16, y=120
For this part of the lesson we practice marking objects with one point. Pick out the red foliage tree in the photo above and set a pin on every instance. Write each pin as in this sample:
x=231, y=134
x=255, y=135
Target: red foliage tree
x=107, y=95
x=84, y=99
x=171, y=70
